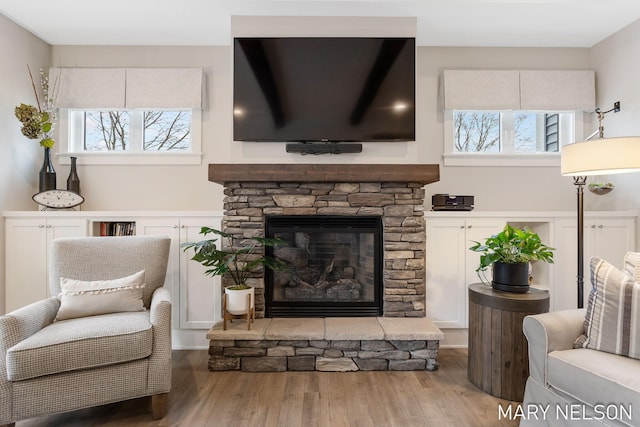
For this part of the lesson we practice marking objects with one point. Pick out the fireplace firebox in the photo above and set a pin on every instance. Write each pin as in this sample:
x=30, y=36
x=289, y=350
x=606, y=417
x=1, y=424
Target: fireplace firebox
x=335, y=266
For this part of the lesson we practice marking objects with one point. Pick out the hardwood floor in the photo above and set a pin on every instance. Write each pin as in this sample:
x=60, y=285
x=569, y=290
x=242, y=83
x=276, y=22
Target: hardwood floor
x=202, y=398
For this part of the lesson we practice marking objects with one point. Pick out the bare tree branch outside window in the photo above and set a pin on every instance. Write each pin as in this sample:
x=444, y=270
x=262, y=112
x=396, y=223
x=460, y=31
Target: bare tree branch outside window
x=477, y=132
x=106, y=130
x=525, y=132
x=167, y=130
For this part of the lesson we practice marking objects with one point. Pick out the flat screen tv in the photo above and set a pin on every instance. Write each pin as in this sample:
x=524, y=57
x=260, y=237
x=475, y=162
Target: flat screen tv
x=319, y=89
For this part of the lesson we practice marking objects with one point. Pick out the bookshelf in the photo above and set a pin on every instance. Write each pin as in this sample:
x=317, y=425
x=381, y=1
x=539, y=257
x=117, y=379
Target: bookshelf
x=114, y=228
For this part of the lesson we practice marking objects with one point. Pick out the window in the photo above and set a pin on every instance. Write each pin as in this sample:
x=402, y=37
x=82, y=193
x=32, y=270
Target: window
x=507, y=138
x=130, y=115
x=152, y=131
x=132, y=136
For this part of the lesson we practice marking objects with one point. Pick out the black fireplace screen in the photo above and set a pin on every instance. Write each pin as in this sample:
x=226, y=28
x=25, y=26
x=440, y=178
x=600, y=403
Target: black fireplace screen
x=335, y=266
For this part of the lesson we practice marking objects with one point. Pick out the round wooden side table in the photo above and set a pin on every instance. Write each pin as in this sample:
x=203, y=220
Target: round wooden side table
x=498, y=351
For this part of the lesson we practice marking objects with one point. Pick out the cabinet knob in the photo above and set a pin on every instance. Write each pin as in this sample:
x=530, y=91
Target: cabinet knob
x=593, y=226
x=462, y=226
x=175, y=226
x=41, y=226
x=469, y=226
x=600, y=226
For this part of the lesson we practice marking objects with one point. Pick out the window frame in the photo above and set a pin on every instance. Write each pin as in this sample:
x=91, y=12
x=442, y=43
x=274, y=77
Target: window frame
x=538, y=159
x=68, y=137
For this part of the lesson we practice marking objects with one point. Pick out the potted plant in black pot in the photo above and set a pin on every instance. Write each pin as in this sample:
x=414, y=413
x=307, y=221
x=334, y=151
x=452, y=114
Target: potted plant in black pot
x=510, y=252
x=238, y=259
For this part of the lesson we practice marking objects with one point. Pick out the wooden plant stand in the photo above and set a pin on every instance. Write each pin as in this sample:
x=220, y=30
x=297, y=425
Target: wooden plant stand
x=498, y=358
x=249, y=315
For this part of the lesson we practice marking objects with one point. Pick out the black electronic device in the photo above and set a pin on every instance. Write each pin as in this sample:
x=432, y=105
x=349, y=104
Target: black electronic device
x=324, y=89
x=327, y=148
x=449, y=202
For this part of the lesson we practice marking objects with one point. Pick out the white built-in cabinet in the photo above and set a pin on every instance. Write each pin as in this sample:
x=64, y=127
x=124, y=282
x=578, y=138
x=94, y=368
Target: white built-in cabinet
x=196, y=297
x=195, y=292
x=450, y=265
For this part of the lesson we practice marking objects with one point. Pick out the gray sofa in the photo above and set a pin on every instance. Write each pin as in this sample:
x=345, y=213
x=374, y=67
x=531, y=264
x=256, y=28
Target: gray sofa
x=576, y=386
x=49, y=366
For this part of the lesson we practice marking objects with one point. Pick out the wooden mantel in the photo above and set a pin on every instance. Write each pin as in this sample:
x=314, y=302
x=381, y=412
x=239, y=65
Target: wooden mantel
x=232, y=172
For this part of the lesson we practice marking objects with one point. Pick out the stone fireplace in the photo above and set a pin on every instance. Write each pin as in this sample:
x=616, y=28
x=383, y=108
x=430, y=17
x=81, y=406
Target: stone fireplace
x=390, y=194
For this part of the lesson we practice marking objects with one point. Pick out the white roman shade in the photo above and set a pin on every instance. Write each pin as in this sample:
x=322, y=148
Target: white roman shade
x=542, y=90
x=114, y=88
x=89, y=88
x=557, y=90
x=164, y=88
x=481, y=90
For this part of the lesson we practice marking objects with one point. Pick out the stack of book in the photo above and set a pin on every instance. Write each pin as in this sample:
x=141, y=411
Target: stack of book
x=110, y=228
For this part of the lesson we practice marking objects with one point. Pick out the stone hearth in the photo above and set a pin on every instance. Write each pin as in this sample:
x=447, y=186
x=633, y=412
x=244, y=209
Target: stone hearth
x=330, y=344
x=392, y=192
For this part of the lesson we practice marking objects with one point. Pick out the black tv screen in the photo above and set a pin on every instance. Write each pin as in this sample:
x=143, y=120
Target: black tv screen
x=311, y=89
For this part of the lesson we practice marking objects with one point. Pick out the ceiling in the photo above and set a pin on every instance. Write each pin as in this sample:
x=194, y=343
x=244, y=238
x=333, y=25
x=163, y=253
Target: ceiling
x=539, y=23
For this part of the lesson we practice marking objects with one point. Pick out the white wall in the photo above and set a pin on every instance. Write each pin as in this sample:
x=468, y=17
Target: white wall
x=20, y=158
x=617, y=67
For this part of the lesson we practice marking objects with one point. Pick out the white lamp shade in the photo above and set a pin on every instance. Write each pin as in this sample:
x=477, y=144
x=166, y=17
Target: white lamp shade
x=604, y=156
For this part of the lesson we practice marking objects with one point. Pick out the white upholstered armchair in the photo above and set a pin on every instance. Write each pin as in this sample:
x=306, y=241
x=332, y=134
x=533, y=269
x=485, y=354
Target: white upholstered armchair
x=104, y=335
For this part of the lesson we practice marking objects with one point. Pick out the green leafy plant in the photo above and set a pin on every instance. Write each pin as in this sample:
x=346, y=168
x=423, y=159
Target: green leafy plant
x=37, y=122
x=238, y=261
x=512, y=246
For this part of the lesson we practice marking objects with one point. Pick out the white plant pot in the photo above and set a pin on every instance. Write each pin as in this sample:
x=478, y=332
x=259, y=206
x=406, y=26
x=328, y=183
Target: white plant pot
x=237, y=301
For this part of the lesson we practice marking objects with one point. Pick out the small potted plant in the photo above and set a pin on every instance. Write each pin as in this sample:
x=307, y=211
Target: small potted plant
x=509, y=253
x=601, y=188
x=238, y=259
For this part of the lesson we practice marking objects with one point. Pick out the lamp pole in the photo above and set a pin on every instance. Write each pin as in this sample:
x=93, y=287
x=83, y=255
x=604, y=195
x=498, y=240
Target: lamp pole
x=579, y=182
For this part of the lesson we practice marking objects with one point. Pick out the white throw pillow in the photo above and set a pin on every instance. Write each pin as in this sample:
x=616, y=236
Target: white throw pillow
x=81, y=298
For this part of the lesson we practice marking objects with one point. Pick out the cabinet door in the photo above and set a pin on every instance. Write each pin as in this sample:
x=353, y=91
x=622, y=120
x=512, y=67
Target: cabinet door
x=167, y=227
x=451, y=266
x=445, y=272
x=200, y=295
x=195, y=297
x=25, y=262
x=612, y=239
x=607, y=238
x=26, y=253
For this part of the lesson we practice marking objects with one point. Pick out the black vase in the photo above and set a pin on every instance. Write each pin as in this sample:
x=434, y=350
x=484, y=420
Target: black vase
x=47, y=173
x=73, y=181
x=511, y=277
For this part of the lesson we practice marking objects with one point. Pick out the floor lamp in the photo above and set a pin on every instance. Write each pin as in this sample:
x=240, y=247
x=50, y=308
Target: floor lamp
x=602, y=156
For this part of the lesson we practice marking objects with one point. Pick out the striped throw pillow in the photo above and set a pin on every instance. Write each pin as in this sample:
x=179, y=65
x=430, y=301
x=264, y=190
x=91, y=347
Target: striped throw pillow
x=612, y=322
x=632, y=265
